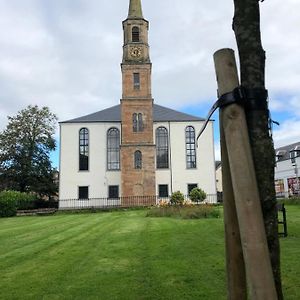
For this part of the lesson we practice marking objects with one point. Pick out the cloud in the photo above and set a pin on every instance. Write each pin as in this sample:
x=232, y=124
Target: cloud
x=288, y=133
x=66, y=54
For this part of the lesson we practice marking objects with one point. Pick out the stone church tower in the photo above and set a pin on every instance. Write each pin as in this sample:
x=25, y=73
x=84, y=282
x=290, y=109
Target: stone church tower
x=137, y=146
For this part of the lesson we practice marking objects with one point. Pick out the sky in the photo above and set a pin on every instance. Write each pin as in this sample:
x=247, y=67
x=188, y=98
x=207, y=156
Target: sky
x=66, y=54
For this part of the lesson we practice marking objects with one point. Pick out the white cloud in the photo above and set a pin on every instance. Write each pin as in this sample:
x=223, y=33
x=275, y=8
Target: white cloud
x=66, y=54
x=288, y=133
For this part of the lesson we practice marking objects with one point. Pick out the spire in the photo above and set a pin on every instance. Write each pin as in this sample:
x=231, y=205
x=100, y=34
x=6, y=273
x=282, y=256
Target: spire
x=135, y=10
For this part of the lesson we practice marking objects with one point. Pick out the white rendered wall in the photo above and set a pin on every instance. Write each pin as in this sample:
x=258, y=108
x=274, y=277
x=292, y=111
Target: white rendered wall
x=97, y=178
x=179, y=176
x=219, y=179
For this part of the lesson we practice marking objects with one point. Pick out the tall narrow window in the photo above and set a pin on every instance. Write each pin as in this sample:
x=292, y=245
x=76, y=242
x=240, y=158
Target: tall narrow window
x=83, y=149
x=137, y=159
x=135, y=34
x=136, y=81
x=190, y=147
x=137, y=122
x=162, y=148
x=113, y=149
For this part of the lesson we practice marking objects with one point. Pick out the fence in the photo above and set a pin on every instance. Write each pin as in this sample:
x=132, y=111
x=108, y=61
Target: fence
x=122, y=202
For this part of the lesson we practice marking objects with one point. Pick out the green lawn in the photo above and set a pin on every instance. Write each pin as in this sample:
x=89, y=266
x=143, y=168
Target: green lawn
x=124, y=255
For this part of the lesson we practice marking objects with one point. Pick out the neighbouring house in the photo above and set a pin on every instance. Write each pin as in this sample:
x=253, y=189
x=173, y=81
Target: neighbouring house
x=218, y=165
x=136, y=148
x=287, y=170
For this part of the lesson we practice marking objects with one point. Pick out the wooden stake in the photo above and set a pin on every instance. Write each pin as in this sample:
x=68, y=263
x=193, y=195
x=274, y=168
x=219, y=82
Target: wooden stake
x=252, y=232
x=236, y=276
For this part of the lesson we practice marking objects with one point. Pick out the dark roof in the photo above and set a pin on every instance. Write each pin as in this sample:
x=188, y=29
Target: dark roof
x=283, y=153
x=113, y=114
x=218, y=164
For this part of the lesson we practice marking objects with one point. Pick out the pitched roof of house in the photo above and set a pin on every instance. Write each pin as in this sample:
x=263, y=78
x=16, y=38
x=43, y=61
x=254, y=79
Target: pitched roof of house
x=283, y=153
x=113, y=114
x=218, y=164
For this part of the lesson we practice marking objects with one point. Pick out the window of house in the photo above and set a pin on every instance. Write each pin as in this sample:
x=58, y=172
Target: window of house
x=190, y=147
x=162, y=148
x=163, y=190
x=83, y=149
x=137, y=122
x=137, y=159
x=113, y=191
x=136, y=81
x=113, y=149
x=83, y=192
x=135, y=34
x=191, y=186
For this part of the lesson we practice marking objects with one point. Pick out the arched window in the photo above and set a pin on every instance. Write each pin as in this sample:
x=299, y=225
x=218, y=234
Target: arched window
x=83, y=149
x=135, y=34
x=190, y=147
x=162, y=148
x=113, y=149
x=137, y=159
x=137, y=122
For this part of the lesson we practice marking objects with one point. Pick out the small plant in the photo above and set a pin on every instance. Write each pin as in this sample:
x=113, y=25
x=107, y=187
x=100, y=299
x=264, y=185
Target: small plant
x=163, y=203
x=177, y=198
x=197, y=195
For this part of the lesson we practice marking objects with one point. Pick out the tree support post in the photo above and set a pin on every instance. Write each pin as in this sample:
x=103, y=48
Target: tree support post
x=244, y=202
x=236, y=276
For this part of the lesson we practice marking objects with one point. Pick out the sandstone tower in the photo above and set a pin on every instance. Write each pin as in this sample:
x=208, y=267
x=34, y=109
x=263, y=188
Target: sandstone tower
x=137, y=146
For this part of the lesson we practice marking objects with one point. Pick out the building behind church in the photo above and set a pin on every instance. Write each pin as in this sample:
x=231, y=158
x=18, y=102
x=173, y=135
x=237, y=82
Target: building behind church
x=287, y=171
x=137, y=148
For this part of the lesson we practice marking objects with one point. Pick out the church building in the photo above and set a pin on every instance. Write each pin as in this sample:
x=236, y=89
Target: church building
x=136, y=148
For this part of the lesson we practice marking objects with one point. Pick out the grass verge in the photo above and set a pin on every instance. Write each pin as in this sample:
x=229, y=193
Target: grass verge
x=124, y=255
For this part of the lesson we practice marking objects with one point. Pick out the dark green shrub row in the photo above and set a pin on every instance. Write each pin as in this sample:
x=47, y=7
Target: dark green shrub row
x=11, y=201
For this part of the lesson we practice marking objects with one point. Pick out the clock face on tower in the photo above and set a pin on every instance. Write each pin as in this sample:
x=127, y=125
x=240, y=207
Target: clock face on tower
x=135, y=52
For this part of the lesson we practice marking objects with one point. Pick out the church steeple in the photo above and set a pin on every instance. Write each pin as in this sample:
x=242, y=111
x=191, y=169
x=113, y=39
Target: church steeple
x=136, y=108
x=135, y=27
x=135, y=10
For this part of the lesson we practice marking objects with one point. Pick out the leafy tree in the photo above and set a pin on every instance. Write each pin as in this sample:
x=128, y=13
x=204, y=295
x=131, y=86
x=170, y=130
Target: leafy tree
x=25, y=146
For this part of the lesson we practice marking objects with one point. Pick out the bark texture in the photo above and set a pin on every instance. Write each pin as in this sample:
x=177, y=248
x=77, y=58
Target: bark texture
x=246, y=25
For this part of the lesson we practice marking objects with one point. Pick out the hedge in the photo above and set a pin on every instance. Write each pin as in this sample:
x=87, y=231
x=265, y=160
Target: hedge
x=10, y=201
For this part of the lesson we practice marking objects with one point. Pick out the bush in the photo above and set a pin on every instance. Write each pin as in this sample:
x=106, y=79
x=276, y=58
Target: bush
x=197, y=195
x=26, y=201
x=10, y=201
x=177, y=198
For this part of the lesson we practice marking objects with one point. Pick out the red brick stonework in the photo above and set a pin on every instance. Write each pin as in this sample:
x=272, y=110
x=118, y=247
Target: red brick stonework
x=137, y=100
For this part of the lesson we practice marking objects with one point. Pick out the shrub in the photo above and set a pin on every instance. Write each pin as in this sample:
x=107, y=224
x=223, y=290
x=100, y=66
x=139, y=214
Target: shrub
x=197, y=195
x=26, y=201
x=177, y=198
x=10, y=201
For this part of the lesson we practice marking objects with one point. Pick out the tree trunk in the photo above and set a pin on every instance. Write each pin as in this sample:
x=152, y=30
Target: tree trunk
x=246, y=25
